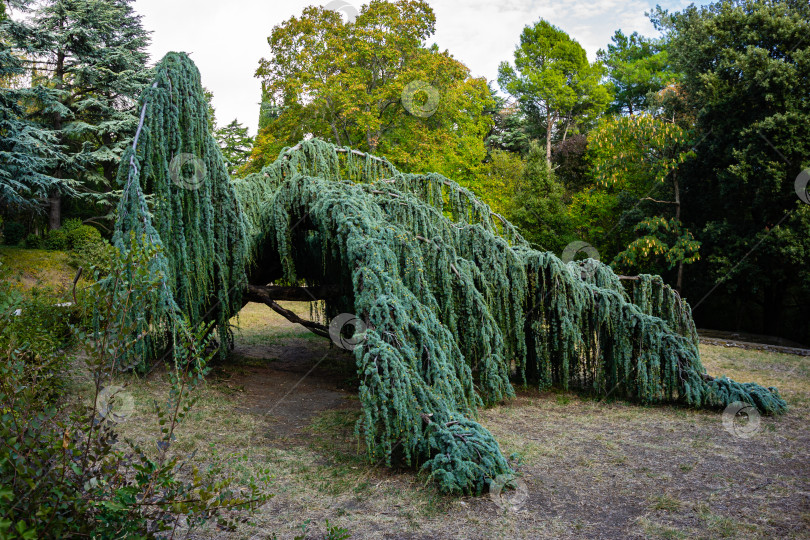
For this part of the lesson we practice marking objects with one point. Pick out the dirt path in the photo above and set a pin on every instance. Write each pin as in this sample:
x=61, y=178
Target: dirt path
x=751, y=346
x=290, y=383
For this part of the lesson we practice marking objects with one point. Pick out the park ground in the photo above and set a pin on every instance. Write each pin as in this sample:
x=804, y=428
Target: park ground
x=589, y=469
x=286, y=401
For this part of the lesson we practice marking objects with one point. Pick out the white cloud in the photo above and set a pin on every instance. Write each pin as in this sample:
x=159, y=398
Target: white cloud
x=227, y=39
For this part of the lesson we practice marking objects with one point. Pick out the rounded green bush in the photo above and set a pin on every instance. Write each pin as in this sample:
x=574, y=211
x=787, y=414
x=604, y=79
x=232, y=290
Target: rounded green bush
x=13, y=233
x=56, y=240
x=82, y=236
x=96, y=256
x=71, y=224
x=33, y=241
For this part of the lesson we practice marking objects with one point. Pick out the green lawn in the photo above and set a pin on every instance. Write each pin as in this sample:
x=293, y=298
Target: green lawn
x=37, y=267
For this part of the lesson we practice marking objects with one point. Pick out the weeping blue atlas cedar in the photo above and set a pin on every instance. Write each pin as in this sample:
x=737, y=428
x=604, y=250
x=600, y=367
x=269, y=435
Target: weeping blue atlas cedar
x=458, y=307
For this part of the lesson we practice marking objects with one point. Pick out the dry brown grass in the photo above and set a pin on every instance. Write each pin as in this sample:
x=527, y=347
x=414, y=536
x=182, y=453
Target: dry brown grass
x=593, y=469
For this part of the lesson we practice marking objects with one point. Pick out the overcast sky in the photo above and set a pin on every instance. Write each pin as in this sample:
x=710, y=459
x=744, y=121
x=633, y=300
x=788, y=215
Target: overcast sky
x=227, y=39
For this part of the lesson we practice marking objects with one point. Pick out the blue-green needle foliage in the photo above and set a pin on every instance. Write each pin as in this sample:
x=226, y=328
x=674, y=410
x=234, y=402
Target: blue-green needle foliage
x=458, y=307
x=178, y=196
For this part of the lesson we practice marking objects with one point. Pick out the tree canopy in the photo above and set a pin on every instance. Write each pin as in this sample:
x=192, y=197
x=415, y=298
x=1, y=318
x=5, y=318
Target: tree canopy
x=741, y=62
x=639, y=157
x=637, y=67
x=553, y=80
x=27, y=150
x=91, y=57
x=235, y=144
x=367, y=84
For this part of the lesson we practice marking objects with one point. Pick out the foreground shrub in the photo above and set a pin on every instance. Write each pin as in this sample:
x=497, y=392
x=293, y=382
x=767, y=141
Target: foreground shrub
x=63, y=471
x=37, y=329
x=10, y=295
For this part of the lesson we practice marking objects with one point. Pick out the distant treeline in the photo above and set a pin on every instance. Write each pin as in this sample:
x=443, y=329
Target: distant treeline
x=678, y=154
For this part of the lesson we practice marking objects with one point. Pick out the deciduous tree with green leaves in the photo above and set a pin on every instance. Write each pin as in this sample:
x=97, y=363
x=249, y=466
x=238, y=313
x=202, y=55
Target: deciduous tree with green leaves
x=746, y=70
x=640, y=155
x=553, y=80
x=349, y=83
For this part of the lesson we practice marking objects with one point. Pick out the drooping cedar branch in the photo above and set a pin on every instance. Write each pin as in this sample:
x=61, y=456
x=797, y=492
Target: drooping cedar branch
x=457, y=306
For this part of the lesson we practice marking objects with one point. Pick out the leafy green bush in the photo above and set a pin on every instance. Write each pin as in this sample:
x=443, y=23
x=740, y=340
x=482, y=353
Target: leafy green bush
x=56, y=240
x=43, y=321
x=71, y=224
x=37, y=325
x=63, y=472
x=10, y=296
x=94, y=257
x=13, y=233
x=82, y=235
x=33, y=241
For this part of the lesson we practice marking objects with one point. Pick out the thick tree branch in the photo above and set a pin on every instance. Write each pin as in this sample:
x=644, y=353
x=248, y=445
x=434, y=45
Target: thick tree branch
x=656, y=200
x=295, y=294
x=268, y=295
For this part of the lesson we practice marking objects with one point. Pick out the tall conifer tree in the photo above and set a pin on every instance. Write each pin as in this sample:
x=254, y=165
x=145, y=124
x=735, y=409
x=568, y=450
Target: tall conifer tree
x=92, y=54
x=235, y=143
x=26, y=149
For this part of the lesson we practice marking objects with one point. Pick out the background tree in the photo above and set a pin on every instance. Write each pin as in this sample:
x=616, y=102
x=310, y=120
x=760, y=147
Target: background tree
x=268, y=110
x=537, y=205
x=26, y=149
x=345, y=82
x=334, y=79
x=235, y=143
x=497, y=179
x=212, y=113
x=640, y=156
x=569, y=160
x=743, y=63
x=93, y=56
x=553, y=81
x=510, y=130
x=637, y=66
